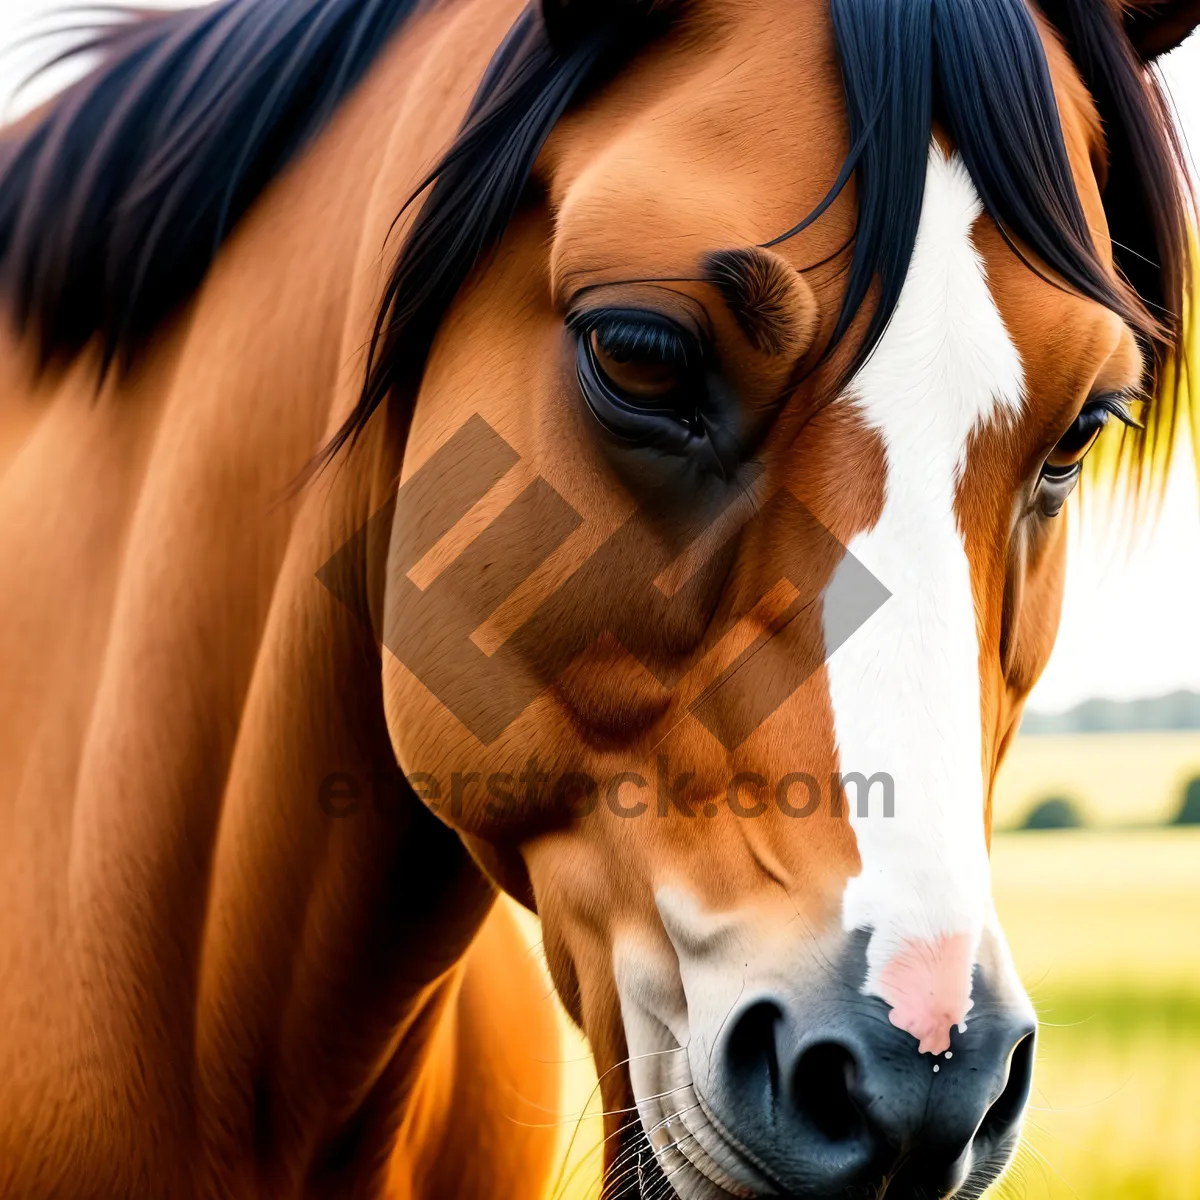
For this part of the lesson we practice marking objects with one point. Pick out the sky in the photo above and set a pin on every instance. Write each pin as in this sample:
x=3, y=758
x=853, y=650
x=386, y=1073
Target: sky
x=1131, y=615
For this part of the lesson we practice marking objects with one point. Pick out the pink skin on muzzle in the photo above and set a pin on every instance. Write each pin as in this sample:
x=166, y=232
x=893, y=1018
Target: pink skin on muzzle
x=928, y=985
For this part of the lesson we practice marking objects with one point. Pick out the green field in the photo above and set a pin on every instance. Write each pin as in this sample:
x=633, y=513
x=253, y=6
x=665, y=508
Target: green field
x=1105, y=929
x=1114, y=779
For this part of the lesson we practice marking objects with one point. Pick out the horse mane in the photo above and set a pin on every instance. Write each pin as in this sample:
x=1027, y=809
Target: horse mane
x=978, y=69
x=1148, y=205
x=114, y=203
x=115, y=200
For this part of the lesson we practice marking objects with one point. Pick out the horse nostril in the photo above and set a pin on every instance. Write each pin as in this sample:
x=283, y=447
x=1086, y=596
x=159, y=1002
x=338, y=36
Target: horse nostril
x=752, y=1055
x=823, y=1086
x=1007, y=1109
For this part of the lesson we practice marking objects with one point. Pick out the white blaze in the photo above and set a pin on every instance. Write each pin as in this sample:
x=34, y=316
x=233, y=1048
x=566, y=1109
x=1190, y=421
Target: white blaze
x=905, y=688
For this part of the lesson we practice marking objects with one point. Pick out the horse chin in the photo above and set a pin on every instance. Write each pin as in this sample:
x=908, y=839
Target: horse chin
x=678, y=1144
x=643, y=1176
x=640, y=1170
x=986, y=1172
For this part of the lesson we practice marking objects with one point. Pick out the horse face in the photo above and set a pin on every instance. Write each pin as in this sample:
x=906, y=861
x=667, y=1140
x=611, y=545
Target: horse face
x=746, y=648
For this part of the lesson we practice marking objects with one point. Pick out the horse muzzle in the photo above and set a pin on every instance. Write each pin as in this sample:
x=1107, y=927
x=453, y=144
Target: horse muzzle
x=837, y=1101
x=767, y=1075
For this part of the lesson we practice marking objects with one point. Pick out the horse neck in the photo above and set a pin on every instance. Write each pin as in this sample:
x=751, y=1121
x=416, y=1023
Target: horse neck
x=338, y=909
x=219, y=916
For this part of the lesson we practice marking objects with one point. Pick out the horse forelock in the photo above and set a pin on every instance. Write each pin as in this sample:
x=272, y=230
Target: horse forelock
x=979, y=71
x=116, y=200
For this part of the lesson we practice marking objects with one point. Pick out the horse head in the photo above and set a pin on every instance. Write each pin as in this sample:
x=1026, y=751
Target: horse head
x=763, y=414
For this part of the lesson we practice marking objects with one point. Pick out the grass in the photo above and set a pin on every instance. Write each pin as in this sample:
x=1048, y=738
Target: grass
x=1114, y=1111
x=1105, y=929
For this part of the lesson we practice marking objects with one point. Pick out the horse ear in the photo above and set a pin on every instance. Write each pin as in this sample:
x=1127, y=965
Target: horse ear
x=571, y=21
x=1156, y=26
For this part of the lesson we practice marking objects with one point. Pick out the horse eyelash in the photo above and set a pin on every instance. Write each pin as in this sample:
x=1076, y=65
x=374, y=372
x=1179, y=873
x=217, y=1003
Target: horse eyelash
x=625, y=333
x=1118, y=406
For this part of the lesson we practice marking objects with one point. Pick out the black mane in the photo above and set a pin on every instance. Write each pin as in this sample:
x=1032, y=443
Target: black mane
x=114, y=204
x=976, y=66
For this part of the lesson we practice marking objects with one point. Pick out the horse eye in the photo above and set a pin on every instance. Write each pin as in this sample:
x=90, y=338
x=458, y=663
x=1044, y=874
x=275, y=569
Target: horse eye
x=644, y=379
x=639, y=373
x=645, y=362
x=1064, y=464
x=1074, y=445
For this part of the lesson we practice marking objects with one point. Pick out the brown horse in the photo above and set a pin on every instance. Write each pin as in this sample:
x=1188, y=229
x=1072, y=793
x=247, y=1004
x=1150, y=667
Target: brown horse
x=658, y=521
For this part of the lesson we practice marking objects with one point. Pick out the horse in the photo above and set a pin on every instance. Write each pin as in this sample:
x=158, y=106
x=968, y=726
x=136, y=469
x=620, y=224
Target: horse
x=611, y=453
